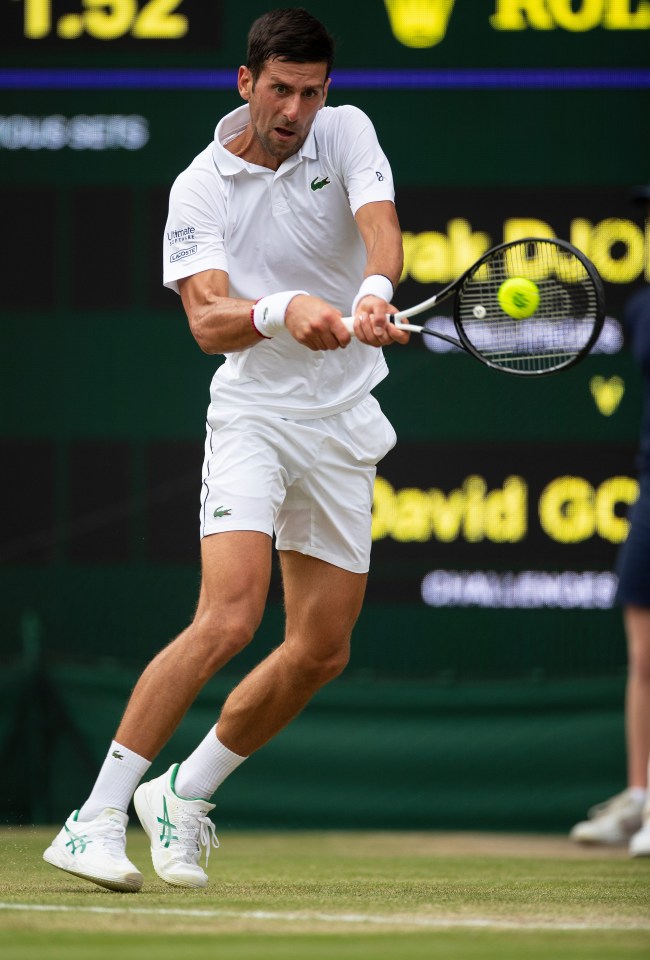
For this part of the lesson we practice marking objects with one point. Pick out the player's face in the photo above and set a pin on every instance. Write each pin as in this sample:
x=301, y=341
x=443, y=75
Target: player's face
x=284, y=101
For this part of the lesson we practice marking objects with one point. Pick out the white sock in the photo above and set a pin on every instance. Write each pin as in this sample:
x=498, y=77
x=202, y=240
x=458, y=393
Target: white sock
x=120, y=774
x=637, y=793
x=206, y=768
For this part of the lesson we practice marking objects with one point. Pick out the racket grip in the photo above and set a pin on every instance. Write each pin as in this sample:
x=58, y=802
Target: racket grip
x=396, y=318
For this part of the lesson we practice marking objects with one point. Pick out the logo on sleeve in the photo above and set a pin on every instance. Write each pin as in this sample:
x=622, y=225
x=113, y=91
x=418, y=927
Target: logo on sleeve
x=183, y=233
x=181, y=254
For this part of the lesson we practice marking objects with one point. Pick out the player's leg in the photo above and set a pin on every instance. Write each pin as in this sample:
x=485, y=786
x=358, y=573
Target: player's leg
x=637, y=717
x=322, y=604
x=236, y=568
x=617, y=820
x=637, y=698
x=236, y=571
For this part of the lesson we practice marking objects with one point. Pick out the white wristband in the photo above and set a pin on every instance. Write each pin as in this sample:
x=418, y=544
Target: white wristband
x=376, y=285
x=268, y=313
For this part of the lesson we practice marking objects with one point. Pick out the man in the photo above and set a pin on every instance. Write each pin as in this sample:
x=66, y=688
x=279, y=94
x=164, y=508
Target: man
x=280, y=226
x=625, y=818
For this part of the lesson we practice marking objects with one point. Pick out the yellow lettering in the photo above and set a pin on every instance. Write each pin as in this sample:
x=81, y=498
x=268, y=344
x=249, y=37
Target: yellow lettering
x=413, y=515
x=475, y=489
x=419, y=23
x=466, y=245
x=506, y=512
x=446, y=513
x=430, y=261
x=534, y=268
x=566, y=510
x=577, y=16
x=570, y=511
x=619, y=16
x=409, y=243
x=607, y=238
x=619, y=248
x=383, y=508
x=588, y=16
x=519, y=14
x=519, y=227
x=412, y=520
x=611, y=492
x=433, y=257
x=580, y=235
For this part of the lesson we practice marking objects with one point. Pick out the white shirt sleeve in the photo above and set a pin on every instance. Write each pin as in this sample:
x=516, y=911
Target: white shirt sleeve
x=366, y=172
x=195, y=229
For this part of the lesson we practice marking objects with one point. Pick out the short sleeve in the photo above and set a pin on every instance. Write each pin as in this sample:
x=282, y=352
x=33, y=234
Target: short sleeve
x=195, y=228
x=364, y=166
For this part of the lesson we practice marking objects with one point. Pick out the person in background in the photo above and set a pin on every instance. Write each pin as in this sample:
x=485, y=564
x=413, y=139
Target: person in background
x=626, y=817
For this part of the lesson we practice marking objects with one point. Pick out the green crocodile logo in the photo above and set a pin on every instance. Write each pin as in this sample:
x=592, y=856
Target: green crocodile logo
x=317, y=184
x=222, y=512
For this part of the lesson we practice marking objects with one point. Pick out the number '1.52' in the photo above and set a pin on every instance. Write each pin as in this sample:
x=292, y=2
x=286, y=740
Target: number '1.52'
x=107, y=20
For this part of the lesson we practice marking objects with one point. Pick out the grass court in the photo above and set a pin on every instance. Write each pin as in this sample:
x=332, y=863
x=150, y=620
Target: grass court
x=345, y=896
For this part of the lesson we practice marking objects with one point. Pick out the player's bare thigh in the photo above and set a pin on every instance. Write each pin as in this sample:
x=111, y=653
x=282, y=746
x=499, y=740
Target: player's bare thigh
x=322, y=602
x=236, y=572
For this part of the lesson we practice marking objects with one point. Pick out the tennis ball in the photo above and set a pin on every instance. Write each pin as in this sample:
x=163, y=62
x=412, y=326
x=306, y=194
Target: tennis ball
x=518, y=297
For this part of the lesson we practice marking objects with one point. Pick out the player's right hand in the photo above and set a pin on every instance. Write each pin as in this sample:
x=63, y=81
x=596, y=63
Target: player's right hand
x=315, y=323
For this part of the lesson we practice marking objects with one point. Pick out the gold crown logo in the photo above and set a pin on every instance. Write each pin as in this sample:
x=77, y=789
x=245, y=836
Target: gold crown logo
x=419, y=23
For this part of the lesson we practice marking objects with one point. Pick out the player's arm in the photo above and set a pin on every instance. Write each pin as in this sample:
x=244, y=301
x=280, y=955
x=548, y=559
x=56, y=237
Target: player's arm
x=219, y=323
x=379, y=227
x=224, y=324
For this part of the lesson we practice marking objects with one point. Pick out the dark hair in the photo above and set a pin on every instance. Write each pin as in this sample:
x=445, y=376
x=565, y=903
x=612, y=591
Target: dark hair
x=291, y=34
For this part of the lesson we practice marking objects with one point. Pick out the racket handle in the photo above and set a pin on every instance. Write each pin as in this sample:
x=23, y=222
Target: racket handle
x=348, y=322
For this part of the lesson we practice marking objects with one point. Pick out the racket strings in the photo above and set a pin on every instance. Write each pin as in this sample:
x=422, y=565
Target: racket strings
x=562, y=324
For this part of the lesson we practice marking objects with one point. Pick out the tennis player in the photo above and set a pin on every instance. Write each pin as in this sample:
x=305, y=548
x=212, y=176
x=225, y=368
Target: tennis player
x=282, y=225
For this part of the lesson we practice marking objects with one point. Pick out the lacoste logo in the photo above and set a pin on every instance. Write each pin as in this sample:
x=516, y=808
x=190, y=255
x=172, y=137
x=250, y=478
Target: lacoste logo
x=181, y=254
x=222, y=512
x=317, y=184
x=117, y=755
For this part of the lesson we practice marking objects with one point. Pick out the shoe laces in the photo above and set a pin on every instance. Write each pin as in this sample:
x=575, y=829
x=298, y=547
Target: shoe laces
x=111, y=835
x=195, y=831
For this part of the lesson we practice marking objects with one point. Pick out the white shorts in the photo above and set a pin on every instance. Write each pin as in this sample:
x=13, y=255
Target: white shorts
x=309, y=482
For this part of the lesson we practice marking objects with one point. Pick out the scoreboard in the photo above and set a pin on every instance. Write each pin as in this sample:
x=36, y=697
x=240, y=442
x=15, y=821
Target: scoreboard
x=501, y=509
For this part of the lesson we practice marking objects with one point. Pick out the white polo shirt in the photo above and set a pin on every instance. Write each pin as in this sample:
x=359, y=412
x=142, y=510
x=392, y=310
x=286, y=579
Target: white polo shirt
x=290, y=229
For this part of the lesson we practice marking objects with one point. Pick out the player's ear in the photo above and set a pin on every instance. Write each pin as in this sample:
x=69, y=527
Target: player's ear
x=245, y=83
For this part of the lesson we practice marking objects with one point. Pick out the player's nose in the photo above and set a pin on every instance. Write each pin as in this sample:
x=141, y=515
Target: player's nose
x=291, y=109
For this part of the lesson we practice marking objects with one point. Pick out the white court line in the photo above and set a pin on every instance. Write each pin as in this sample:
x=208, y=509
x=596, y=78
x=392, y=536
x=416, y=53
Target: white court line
x=352, y=918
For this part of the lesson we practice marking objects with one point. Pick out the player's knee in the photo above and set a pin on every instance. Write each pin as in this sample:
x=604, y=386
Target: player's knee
x=222, y=636
x=322, y=665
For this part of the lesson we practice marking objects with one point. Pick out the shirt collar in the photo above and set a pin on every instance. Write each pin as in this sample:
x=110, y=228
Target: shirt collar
x=234, y=123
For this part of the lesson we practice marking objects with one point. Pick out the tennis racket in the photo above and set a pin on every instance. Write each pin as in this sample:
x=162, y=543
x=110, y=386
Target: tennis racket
x=566, y=295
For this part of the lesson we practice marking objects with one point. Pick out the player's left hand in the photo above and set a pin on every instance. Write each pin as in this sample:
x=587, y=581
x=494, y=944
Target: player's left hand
x=372, y=323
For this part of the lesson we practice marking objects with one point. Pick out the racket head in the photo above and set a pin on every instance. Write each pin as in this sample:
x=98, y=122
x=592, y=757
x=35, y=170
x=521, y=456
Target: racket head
x=565, y=324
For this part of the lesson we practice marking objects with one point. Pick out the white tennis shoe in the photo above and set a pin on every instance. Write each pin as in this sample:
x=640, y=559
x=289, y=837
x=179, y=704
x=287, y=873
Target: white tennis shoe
x=95, y=850
x=177, y=828
x=640, y=842
x=612, y=822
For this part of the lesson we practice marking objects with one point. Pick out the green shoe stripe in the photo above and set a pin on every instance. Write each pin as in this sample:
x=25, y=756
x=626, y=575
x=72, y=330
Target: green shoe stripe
x=172, y=782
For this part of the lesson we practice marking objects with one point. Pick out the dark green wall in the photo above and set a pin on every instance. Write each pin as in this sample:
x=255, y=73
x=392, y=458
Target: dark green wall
x=103, y=395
